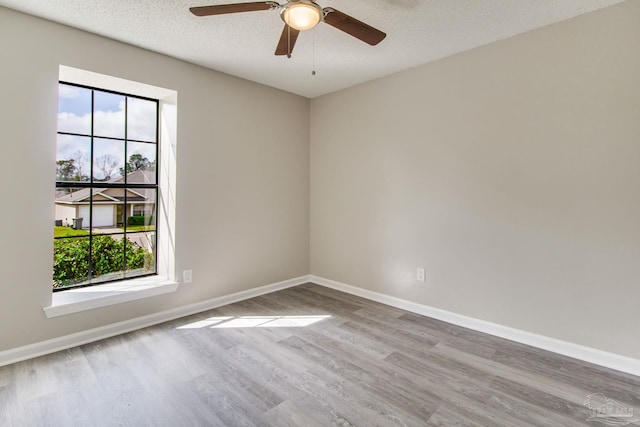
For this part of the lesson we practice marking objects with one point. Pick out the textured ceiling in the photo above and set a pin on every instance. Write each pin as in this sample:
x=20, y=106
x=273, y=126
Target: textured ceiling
x=242, y=44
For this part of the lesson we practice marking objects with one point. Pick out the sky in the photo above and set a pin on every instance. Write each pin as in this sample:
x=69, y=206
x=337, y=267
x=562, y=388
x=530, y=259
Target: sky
x=74, y=115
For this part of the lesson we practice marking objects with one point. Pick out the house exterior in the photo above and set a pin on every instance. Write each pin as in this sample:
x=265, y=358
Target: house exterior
x=111, y=206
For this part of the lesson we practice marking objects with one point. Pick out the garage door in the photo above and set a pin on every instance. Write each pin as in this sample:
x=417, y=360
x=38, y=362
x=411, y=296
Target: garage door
x=102, y=216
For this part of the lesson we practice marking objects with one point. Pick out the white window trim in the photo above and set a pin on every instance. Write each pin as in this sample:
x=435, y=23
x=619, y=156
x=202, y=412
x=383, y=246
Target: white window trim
x=89, y=298
x=92, y=297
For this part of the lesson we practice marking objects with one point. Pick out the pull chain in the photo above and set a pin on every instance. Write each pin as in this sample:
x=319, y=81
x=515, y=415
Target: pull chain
x=313, y=53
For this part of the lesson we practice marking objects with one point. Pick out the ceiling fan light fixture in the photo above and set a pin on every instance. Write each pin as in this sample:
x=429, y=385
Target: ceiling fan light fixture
x=302, y=15
x=298, y=15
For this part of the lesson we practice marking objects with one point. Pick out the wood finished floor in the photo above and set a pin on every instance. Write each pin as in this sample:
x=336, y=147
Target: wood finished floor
x=355, y=363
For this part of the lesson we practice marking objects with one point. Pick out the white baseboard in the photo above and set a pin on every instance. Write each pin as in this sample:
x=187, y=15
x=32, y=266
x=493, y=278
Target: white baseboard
x=577, y=351
x=51, y=346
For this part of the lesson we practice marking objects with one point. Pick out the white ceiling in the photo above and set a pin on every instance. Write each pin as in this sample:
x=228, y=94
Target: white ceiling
x=242, y=44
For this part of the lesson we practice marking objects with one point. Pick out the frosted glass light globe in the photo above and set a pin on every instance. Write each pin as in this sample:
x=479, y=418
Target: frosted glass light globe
x=302, y=16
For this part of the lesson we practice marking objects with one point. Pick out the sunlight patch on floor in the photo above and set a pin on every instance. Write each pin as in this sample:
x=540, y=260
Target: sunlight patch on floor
x=256, y=322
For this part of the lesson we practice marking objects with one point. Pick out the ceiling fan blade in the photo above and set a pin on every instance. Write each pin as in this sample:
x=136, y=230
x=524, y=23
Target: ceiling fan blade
x=287, y=41
x=221, y=9
x=352, y=26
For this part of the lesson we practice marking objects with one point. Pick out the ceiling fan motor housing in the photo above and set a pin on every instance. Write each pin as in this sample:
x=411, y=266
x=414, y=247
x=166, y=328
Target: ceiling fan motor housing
x=301, y=14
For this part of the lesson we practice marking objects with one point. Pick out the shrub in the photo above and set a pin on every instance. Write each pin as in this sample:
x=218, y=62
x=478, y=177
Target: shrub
x=71, y=258
x=140, y=220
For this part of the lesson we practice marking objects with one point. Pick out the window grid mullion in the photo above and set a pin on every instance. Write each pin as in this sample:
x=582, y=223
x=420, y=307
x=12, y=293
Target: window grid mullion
x=90, y=263
x=112, y=138
x=126, y=173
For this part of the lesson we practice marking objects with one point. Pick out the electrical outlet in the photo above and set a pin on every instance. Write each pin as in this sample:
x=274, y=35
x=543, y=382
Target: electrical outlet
x=420, y=274
x=187, y=276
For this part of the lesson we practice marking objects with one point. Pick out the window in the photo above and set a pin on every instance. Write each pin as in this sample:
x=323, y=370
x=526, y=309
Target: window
x=139, y=210
x=106, y=192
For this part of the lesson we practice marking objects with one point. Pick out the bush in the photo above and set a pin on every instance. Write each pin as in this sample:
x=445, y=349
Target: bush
x=71, y=258
x=140, y=220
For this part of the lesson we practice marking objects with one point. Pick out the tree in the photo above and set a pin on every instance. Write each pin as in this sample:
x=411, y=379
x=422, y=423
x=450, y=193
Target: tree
x=137, y=162
x=65, y=170
x=107, y=165
x=79, y=159
x=72, y=169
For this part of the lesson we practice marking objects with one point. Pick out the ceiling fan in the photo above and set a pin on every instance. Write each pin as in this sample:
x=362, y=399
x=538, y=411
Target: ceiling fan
x=299, y=15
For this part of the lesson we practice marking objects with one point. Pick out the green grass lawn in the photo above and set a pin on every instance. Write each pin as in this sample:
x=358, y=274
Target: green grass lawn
x=140, y=228
x=68, y=232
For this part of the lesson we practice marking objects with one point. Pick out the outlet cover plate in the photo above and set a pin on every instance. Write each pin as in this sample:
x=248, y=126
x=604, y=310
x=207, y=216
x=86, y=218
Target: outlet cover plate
x=187, y=276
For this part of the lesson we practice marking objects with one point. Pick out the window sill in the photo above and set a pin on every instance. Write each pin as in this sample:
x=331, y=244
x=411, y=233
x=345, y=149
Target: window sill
x=82, y=299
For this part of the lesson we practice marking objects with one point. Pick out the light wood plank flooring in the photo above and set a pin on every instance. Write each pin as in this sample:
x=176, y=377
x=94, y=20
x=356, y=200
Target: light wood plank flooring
x=307, y=356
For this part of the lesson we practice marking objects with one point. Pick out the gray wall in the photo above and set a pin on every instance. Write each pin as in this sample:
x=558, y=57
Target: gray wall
x=242, y=218
x=511, y=172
